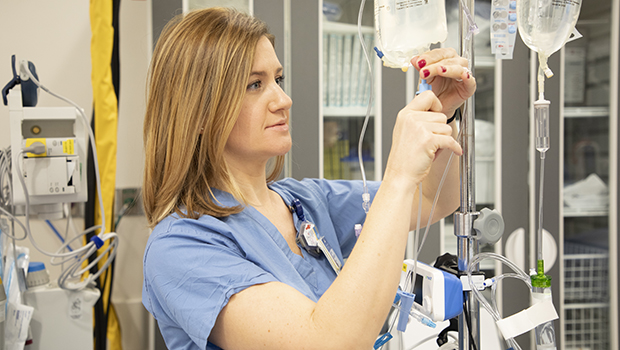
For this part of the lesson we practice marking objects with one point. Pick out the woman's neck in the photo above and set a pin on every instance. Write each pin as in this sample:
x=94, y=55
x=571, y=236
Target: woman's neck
x=252, y=182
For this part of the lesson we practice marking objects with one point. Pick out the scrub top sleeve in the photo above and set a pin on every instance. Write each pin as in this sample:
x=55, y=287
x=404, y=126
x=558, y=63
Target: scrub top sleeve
x=344, y=198
x=191, y=275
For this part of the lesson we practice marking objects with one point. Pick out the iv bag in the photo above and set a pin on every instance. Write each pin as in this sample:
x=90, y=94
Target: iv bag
x=545, y=25
x=406, y=28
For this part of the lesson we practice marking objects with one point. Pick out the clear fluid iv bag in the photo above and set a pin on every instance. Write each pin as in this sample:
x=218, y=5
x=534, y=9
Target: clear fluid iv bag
x=546, y=25
x=406, y=28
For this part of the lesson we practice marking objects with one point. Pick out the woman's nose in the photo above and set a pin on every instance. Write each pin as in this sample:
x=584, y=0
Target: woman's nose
x=280, y=100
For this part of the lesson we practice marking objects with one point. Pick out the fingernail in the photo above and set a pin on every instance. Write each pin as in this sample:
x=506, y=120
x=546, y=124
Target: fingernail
x=468, y=76
x=444, y=69
x=426, y=73
x=421, y=63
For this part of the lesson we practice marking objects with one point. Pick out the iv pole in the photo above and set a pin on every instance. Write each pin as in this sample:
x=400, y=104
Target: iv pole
x=467, y=244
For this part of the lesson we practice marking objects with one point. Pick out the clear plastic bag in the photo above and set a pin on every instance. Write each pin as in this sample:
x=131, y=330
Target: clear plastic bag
x=406, y=28
x=546, y=25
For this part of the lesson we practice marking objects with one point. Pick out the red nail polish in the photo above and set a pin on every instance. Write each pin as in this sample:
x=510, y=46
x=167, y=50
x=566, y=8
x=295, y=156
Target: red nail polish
x=444, y=69
x=468, y=76
x=426, y=73
x=421, y=63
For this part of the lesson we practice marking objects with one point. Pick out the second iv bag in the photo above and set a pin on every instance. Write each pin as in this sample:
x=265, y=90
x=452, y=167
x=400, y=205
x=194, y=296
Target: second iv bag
x=406, y=28
x=545, y=25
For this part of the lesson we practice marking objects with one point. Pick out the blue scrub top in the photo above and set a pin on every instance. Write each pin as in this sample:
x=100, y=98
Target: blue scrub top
x=193, y=267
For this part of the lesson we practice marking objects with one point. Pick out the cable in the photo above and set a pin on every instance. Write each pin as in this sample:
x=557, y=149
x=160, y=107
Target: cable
x=7, y=213
x=49, y=223
x=472, y=341
x=431, y=337
x=125, y=209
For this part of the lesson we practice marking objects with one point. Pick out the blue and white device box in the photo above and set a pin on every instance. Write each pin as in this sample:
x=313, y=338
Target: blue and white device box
x=438, y=294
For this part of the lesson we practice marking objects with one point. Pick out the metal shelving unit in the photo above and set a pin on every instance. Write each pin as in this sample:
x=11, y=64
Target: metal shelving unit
x=345, y=86
x=588, y=220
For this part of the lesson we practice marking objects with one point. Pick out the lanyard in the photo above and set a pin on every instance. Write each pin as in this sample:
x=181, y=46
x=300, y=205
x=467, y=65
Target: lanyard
x=309, y=239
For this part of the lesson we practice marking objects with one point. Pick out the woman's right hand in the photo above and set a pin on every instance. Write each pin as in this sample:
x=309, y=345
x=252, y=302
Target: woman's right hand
x=419, y=134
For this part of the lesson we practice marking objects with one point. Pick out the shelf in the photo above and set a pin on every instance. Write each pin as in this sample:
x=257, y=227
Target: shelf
x=354, y=112
x=345, y=28
x=576, y=213
x=586, y=112
x=586, y=306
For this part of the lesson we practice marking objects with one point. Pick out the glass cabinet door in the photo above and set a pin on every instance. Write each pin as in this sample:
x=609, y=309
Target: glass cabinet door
x=346, y=86
x=586, y=155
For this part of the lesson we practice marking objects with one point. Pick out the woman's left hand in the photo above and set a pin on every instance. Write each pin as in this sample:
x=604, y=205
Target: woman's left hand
x=447, y=72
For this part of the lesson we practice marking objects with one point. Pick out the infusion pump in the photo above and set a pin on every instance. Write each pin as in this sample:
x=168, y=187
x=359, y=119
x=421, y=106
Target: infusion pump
x=438, y=294
x=58, y=175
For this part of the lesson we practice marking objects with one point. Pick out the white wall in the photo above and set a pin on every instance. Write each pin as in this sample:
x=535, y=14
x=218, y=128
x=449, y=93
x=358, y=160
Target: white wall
x=56, y=36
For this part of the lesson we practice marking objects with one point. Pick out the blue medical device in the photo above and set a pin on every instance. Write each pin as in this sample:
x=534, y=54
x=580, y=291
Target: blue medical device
x=438, y=294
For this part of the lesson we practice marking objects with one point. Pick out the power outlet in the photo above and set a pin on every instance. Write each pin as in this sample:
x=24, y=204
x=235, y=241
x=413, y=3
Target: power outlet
x=128, y=202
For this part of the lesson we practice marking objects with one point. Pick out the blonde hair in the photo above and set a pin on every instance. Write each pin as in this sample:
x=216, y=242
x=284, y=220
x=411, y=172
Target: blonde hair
x=196, y=84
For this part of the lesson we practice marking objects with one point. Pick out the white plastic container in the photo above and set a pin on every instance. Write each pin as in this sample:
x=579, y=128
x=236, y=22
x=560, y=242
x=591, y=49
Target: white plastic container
x=62, y=319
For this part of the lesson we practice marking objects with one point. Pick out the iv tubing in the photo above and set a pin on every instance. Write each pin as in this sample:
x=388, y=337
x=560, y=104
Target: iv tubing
x=430, y=217
x=366, y=195
x=493, y=310
x=541, y=122
x=539, y=237
x=543, y=71
x=416, y=252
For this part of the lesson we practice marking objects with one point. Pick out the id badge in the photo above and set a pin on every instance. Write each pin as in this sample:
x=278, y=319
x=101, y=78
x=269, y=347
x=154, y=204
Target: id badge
x=308, y=239
x=330, y=254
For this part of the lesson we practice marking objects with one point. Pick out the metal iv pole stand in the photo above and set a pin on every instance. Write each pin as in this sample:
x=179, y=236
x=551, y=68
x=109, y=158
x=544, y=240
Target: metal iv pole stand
x=467, y=244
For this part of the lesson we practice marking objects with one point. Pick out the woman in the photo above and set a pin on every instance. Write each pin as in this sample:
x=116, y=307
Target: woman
x=222, y=268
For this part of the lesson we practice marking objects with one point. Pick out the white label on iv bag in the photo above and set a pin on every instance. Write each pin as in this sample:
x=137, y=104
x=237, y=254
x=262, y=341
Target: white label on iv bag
x=503, y=28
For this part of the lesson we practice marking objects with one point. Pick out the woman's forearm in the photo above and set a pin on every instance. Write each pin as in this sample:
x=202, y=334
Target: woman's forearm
x=366, y=287
x=448, y=200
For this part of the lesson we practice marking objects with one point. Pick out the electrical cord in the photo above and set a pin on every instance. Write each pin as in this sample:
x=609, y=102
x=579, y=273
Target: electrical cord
x=60, y=237
x=126, y=208
x=472, y=342
x=442, y=337
x=5, y=176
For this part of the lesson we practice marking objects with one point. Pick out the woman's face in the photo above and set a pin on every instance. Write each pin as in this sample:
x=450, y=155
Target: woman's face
x=262, y=130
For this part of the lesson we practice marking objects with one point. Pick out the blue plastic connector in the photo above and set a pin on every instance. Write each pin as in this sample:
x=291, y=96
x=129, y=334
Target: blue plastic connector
x=406, y=302
x=35, y=266
x=397, y=296
x=98, y=242
x=382, y=340
x=379, y=53
x=427, y=322
x=424, y=86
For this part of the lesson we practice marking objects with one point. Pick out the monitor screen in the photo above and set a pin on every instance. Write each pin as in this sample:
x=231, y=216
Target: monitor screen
x=417, y=289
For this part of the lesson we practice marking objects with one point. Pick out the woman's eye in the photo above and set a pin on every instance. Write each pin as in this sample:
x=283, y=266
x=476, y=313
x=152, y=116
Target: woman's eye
x=255, y=85
x=280, y=81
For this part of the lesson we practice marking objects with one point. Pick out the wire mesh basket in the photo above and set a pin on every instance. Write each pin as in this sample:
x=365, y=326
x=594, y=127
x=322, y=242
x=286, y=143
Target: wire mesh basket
x=586, y=274
x=586, y=329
